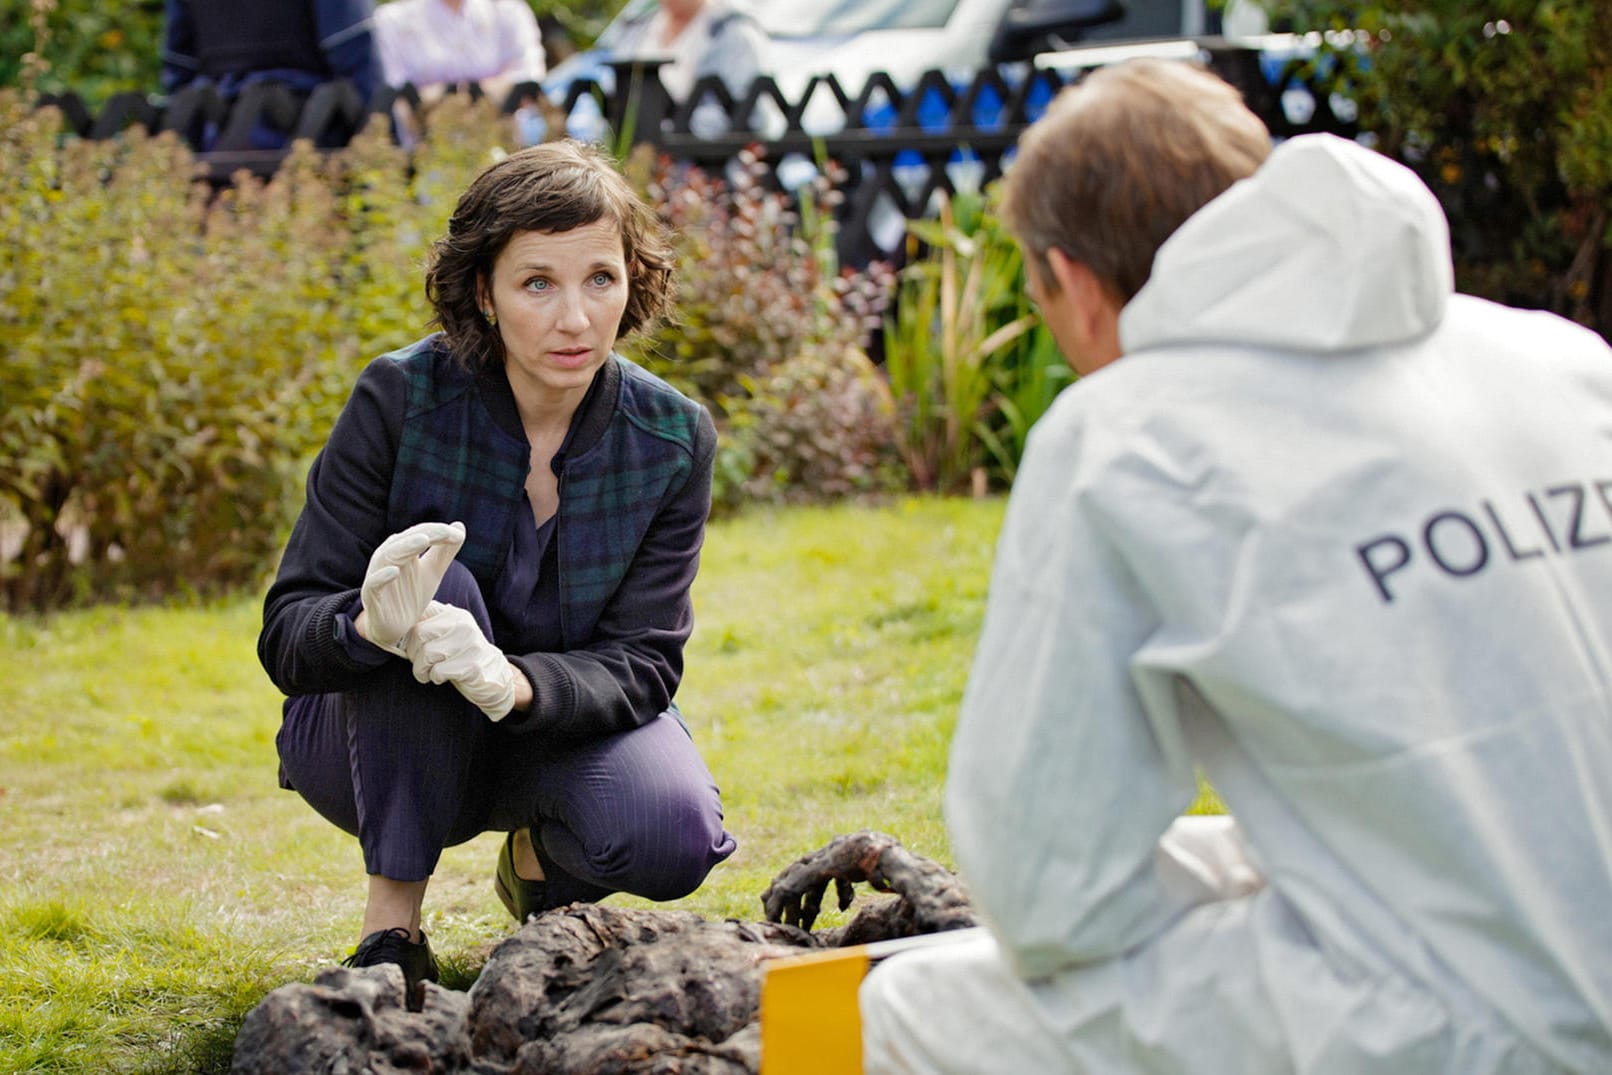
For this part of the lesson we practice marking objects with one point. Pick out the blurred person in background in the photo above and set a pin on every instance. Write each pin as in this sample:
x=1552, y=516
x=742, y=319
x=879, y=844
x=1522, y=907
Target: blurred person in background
x=1336, y=537
x=233, y=45
x=435, y=45
x=699, y=38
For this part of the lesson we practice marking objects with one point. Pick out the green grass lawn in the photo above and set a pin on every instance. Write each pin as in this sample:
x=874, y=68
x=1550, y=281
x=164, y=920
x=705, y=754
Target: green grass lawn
x=156, y=881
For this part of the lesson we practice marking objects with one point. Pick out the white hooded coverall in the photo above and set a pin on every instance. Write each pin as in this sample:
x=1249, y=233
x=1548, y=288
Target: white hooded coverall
x=1342, y=540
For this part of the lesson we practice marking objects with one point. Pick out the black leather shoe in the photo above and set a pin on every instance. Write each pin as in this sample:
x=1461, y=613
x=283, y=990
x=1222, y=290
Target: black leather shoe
x=393, y=946
x=522, y=898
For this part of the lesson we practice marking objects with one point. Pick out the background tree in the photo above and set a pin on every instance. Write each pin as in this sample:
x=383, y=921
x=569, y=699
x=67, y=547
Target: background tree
x=1505, y=109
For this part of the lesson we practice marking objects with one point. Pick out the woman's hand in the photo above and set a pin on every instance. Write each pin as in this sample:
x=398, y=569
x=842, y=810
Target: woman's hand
x=404, y=573
x=447, y=646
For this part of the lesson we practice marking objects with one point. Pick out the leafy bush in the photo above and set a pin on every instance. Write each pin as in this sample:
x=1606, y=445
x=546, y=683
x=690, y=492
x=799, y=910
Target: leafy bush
x=94, y=49
x=818, y=426
x=177, y=353
x=771, y=336
x=757, y=280
x=174, y=358
x=1505, y=110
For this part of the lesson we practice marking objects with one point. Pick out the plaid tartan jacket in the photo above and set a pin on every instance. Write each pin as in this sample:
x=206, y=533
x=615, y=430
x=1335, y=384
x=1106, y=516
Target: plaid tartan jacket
x=421, y=439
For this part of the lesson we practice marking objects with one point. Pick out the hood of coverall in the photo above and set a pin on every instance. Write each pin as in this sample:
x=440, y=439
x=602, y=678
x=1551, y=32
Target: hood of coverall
x=1323, y=211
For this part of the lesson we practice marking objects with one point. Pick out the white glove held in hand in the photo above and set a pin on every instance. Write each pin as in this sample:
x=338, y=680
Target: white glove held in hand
x=448, y=647
x=403, y=577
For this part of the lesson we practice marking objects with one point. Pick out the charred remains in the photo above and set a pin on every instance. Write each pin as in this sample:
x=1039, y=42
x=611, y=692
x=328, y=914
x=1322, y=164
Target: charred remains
x=599, y=989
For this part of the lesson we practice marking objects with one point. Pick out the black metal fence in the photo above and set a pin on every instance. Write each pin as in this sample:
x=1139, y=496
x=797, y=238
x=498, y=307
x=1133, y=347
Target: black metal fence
x=898, y=146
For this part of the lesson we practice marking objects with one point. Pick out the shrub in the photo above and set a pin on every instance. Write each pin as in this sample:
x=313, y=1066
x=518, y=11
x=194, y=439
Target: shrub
x=94, y=49
x=177, y=353
x=174, y=358
x=817, y=426
x=757, y=280
x=771, y=337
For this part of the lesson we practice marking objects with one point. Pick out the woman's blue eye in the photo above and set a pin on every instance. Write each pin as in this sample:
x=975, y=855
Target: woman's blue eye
x=602, y=279
x=537, y=284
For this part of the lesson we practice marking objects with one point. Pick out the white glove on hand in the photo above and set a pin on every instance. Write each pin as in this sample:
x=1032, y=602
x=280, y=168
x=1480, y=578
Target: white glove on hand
x=403, y=577
x=447, y=646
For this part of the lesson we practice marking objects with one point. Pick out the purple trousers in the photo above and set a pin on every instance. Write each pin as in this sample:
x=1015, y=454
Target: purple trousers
x=412, y=768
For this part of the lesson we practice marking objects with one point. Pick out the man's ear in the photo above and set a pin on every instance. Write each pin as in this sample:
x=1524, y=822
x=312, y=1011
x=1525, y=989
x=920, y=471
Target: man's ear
x=1092, y=306
x=1076, y=280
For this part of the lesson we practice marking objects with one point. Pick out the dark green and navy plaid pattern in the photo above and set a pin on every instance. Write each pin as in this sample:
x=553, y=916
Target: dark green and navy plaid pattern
x=455, y=463
x=610, y=495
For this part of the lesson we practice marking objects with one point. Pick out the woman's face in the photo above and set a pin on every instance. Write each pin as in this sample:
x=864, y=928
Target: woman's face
x=559, y=297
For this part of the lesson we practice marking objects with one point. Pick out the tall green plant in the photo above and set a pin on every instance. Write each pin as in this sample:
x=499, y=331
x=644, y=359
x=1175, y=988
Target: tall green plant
x=1030, y=372
x=1025, y=387
x=940, y=344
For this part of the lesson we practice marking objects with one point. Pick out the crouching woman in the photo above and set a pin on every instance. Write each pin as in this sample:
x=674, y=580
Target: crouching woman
x=480, y=614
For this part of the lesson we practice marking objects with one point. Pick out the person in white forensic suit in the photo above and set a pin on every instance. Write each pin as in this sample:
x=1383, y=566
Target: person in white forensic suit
x=1337, y=538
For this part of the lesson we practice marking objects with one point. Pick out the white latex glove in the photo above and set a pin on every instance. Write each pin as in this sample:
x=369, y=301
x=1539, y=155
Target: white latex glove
x=447, y=646
x=403, y=576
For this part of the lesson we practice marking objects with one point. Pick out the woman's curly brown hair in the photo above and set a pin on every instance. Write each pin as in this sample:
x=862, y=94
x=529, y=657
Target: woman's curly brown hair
x=553, y=187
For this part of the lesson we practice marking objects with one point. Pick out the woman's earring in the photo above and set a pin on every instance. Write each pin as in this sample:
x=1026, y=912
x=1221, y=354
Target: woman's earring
x=492, y=318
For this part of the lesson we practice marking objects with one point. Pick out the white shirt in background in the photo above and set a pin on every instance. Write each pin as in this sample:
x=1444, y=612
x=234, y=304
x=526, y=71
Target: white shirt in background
x=425, y=42
x=684, y=51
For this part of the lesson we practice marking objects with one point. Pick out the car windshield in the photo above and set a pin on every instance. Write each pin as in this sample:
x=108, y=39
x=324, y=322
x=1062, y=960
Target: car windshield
x=833, y=18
